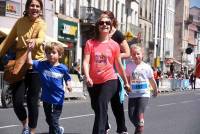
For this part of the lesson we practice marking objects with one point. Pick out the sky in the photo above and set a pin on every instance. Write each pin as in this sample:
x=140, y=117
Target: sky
x=195, y=3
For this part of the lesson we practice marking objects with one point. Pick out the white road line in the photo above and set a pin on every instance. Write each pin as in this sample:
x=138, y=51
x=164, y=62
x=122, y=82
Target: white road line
x=187, y=101
x=9, y=126
x=74, y=117
x=168, y=104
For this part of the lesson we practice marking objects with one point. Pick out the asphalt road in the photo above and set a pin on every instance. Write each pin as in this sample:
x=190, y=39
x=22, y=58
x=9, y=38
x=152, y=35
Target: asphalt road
x=173, y=113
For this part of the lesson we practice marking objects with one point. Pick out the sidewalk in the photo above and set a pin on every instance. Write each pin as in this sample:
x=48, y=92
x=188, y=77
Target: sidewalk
x=166, y=86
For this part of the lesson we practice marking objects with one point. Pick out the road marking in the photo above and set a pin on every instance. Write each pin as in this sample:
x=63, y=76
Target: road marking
x=187, y=101
x=78, y=116
x=168, y=104
x=9, y=126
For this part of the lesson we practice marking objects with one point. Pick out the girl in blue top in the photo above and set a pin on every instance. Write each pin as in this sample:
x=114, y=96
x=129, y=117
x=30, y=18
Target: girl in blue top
x=52, y=75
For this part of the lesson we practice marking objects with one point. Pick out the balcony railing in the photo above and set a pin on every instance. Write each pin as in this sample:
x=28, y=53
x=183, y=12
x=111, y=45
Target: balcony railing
x=89, y=14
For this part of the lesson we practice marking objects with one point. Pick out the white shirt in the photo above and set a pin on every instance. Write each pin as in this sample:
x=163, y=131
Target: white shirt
x=139, y=77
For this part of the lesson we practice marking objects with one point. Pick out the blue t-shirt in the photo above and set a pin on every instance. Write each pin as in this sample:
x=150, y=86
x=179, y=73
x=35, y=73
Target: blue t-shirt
x=52, y=81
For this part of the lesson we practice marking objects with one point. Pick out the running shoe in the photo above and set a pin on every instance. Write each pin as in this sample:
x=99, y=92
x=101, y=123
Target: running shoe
x=108, y=129
x=62, y=130
x=123, y=133
x=26, y=131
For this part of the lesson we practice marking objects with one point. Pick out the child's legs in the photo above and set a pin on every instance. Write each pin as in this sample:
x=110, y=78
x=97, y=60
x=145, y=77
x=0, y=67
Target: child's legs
x=52, y=113
x=141, y=106
x=132, y=110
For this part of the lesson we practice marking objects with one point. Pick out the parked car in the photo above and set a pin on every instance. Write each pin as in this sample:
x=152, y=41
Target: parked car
x=6, y=96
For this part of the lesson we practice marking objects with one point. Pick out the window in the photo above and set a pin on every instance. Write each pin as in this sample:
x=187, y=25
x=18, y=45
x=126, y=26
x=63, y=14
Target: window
x=116, y=9
x=140, y=12
x=122, y=13
x=61, y=8
x=108, y=4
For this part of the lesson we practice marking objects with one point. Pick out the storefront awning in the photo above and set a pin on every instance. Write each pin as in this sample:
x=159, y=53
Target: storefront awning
x=4, y=31
x=51, y=39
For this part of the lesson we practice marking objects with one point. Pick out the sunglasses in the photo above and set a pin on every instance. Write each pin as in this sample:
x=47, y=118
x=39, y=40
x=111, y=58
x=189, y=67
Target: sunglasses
x=104, y=22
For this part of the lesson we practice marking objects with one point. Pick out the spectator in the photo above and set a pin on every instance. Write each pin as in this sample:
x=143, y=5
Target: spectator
x=192, y=80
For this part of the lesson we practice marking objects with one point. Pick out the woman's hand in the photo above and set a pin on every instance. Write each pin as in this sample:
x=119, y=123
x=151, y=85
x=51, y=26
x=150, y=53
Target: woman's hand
x=89, y=82
x=127, y=88
x=30, y=43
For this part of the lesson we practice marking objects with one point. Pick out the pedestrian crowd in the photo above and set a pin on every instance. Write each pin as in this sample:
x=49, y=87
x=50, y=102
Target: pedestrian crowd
x=104, y=73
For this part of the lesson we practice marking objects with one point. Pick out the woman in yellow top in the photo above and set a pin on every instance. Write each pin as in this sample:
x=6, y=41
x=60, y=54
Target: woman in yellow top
x=30, y=31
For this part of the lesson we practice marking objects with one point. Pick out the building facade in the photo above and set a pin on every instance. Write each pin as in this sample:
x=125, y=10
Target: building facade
x=72, y=21
x=163, y=33
x=194, y=35
x=146, y=15
x=181, y=30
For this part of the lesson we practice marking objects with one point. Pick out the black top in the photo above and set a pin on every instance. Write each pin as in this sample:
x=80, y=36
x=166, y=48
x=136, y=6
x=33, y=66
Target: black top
x=118, y=37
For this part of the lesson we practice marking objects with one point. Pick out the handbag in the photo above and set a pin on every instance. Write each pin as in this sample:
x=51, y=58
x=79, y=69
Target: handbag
x=15, y=70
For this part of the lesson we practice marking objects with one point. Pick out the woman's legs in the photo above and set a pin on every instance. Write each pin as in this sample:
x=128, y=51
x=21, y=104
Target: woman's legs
x=100, y=96
x=18, y=100
x=33, y=91
x=118, y=111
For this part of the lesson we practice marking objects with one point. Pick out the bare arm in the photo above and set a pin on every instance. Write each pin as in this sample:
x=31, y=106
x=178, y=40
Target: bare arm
x=68, y=86
x=29, y=57
x=154, y=86
x=122, y=73
x=86, y=67
x=125, y=49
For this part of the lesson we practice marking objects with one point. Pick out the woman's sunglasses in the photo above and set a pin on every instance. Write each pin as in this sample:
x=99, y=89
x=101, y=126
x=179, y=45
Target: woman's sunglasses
x=104, y=22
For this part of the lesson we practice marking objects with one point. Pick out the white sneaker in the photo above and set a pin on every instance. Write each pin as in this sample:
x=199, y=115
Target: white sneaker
x=123, y=133
x=26, y=131
x=62, y=130
x=109, y=127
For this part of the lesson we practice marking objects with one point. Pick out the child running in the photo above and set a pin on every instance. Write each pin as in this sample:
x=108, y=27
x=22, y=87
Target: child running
x=52, y=75
x=140, y=77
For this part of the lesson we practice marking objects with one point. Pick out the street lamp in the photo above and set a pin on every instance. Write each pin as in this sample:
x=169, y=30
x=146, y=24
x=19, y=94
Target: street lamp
x=181, y=60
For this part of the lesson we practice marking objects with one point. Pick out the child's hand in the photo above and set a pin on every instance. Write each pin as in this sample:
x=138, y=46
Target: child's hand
x=127, y=88
x=155, y=92
x=69, y=88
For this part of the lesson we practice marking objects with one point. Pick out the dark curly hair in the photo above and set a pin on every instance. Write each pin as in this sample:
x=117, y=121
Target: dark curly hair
x=111, y=16
x=97, y=25
x=28, y=3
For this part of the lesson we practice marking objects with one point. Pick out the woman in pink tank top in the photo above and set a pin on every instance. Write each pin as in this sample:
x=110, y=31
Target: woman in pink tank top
x=100, y=55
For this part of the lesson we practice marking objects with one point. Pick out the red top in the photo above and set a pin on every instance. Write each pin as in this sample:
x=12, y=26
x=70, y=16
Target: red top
x=102, y=56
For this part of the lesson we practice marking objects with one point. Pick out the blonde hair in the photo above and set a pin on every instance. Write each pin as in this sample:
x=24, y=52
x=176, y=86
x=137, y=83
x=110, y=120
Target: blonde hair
x=49, y=46
x=136, y=47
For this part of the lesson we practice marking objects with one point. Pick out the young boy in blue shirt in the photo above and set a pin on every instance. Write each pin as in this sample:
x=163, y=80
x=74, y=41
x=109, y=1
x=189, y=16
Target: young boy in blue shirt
x=52, y=75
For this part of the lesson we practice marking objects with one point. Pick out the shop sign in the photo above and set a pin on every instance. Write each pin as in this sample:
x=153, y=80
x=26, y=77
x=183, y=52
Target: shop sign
x=67, y=30
x=13, y=9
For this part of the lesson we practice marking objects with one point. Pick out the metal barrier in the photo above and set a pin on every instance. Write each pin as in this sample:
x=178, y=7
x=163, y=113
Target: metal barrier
x=2, y=82
x=174, y=84
x=77, y=88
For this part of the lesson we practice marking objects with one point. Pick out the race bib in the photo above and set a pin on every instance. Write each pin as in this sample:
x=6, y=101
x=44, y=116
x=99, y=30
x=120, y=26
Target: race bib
x=139, y=87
